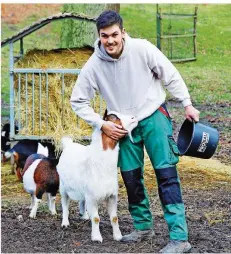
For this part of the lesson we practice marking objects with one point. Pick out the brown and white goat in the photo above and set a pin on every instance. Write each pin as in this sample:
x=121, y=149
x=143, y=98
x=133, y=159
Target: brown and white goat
x=89, y=174
x=23, y=149
x=39, y=176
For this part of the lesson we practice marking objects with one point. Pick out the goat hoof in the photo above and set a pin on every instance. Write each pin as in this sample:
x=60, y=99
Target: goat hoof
x=53, y=212
x=84, y=216
x=97, y=239
x=32, y=216
x=65, y=225
x=117, y=237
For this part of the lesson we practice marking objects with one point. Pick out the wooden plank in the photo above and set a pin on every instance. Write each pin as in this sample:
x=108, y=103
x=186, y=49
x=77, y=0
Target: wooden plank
x=177, y=16
x=183, y=60
x=194, y=31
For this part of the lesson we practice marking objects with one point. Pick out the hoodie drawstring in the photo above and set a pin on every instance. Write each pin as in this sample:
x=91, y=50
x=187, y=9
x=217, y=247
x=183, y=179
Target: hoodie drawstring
x=117, y=90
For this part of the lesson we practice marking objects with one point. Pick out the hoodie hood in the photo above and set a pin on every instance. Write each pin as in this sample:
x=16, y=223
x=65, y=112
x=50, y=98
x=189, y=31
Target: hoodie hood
x=102, y=54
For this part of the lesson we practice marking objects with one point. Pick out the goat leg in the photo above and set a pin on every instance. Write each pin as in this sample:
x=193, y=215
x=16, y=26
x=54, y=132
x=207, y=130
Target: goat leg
x=92, y=208
x=65, y=207
x=52, y=204
x=83, y=210
x=32, y=201
x=34, y=208
x=112, y=211
x=37, y=199
x=18, y=173
x=49, y=200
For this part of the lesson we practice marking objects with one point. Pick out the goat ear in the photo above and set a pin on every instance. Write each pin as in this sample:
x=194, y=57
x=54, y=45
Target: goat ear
x=105, y=115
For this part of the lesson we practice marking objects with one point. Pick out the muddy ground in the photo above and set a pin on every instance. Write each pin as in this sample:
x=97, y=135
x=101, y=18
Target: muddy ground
x=207, y=196
x=208, y=216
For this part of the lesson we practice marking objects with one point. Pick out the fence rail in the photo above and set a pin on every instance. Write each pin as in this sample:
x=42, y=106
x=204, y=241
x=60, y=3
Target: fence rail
x=64, y=71
x=31, y=99
x=176, y=37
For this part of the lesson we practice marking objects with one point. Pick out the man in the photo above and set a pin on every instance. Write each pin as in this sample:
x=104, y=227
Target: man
x=130, y=75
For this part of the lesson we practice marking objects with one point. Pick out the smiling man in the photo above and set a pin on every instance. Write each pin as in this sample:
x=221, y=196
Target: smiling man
x=131, y=75
x=111, y=39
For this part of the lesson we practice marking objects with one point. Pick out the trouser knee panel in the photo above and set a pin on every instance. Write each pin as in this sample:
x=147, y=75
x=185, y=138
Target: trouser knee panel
x=169, y=186
x=134, y=185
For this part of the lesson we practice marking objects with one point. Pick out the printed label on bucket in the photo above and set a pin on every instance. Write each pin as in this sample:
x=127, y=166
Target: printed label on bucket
x=204, y=142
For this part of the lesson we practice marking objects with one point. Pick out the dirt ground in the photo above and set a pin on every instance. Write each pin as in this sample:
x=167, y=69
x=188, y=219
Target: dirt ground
x=206, y=186
x=12, y=13
x=208, y=216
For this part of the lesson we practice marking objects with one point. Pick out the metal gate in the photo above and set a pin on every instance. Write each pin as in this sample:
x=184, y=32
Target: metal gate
x=175, y=38
x=35, y=84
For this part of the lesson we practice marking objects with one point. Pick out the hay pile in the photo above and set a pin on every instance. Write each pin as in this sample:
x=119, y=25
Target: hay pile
x=57, y=117
x=195, y=174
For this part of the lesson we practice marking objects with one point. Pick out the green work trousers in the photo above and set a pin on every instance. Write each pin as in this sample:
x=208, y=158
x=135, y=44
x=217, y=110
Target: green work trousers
x=155, y=134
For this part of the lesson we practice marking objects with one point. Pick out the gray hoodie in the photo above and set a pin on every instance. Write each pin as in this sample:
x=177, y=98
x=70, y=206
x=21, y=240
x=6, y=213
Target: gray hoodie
x=132, y=84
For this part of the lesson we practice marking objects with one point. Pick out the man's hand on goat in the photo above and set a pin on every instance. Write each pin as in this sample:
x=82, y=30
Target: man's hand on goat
x=113, y=130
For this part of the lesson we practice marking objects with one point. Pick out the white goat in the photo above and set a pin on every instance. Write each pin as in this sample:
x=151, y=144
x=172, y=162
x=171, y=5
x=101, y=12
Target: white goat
x=89, y=174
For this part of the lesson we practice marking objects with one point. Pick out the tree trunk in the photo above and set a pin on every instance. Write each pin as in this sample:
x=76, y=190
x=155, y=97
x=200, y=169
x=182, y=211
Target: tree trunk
x=76, y=33
x=113, y=7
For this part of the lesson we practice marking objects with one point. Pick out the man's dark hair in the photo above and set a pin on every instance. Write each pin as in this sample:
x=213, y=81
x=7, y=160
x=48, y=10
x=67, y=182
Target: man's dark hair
x=109, y=18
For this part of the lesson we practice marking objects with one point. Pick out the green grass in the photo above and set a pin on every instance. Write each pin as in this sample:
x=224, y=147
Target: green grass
x=140, y=20
x=208, y=78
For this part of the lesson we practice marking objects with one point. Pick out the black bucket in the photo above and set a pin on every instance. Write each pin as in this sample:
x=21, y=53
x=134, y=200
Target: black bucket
x=197, y=140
